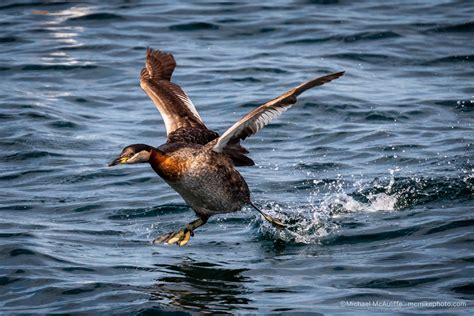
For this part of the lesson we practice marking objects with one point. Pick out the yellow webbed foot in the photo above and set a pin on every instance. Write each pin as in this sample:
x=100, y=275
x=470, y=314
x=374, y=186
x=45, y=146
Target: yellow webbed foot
x=186, y=238
x=181, y=237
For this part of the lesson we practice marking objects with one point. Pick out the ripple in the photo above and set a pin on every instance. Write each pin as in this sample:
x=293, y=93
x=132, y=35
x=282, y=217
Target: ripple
x=29, y=155
x=455, y=28
x=363, y=36
x=375, y=59
x=6, y=280
x=55, y=67
x=373, y=237
x=452, y=225
x=14, y=235
x=29, y=257
x=101, y=16
x=33, y=4
x=23, y=174
x=202, y=287
x=391, y=283
x=193, y=26
x=450, y=60
x=321, y=166
x=467, y=289
x=128, y=214
x=9, y=39
x=63, y=125
x=372, y=173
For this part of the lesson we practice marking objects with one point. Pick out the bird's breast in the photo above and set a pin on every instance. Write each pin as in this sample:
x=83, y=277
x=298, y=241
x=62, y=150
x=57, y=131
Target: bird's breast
x=169, y=167
x=207, y=181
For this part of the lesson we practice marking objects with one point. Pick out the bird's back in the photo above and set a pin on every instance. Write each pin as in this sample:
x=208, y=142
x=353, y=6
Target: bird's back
x=192, y=135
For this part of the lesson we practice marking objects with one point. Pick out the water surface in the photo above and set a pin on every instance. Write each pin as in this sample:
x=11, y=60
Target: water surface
x=373, y=172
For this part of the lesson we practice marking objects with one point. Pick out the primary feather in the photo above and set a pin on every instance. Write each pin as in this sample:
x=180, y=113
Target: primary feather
x=261, y=116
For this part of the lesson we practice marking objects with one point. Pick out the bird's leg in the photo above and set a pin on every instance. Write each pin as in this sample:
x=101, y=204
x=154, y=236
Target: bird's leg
x=273, y=220
x=182, y=236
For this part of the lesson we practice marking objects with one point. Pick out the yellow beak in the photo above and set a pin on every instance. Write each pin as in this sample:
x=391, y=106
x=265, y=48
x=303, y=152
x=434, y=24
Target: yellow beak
x=119, y=160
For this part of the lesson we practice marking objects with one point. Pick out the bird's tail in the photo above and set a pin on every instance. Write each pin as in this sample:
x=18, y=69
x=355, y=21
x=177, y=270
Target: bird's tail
x=274, y=221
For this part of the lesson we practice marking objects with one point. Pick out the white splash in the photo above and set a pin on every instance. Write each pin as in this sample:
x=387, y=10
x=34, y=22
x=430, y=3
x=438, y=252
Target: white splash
x=311, y=222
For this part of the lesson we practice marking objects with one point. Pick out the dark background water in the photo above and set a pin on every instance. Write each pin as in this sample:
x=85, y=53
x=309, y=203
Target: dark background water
x=373, y=172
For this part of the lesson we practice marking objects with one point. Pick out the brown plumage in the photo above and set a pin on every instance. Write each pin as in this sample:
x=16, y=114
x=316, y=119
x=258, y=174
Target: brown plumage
x=174, y=105
x=195, y=161
x=261, y=116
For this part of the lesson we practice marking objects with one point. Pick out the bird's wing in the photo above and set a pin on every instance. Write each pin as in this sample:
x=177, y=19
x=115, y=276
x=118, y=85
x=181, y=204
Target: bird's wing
x=261, y=116
x=171, y=101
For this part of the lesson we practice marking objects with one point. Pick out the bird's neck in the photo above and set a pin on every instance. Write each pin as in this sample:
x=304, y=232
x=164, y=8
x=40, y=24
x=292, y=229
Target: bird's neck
x=166, y=166
x=157, y=156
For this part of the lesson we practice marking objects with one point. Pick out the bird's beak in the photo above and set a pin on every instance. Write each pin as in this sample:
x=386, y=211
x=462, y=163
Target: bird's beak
x=118, y=161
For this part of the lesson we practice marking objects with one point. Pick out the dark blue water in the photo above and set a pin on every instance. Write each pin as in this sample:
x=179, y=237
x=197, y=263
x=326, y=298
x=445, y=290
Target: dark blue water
x=373, y=172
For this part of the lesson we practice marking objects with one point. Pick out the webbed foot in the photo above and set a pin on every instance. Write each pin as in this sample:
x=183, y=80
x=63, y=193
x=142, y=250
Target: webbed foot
x=181, y=237
x=272, y=220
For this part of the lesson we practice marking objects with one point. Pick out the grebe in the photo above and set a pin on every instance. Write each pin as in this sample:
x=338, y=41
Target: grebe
x=195, y=161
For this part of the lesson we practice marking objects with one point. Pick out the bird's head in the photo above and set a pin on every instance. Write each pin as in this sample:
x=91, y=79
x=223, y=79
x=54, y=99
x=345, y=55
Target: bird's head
x=136, y=153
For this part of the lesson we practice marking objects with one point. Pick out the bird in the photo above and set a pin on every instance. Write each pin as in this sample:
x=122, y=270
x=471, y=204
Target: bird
x=197, y=162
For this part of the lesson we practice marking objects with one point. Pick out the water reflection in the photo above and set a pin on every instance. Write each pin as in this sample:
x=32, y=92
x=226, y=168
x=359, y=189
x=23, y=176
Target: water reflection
x=202, y=286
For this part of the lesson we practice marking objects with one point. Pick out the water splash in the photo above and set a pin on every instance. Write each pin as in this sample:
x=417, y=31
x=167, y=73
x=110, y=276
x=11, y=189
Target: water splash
x=331, y=202
x=309, y=223
x=305, y=223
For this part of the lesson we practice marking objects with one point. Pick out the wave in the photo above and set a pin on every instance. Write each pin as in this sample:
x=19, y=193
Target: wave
x=41, y=4
x=194, y=26
x=323, y=215
x=98, y=17
x=450, y=60
x=455, y=28
x=356, y=37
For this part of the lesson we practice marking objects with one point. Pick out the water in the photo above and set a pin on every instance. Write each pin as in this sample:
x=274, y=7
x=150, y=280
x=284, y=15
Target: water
x=372, y=172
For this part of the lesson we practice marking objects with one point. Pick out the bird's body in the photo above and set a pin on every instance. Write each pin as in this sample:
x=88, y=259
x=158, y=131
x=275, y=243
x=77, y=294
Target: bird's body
x=206, y=180
x=195, y=161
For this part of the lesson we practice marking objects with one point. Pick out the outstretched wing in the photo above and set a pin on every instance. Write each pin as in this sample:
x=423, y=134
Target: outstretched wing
x=174, y=105
x=261, y=116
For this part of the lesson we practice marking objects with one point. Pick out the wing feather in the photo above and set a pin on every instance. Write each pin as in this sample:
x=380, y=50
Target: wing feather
x=264, y=114
x=171, y=101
